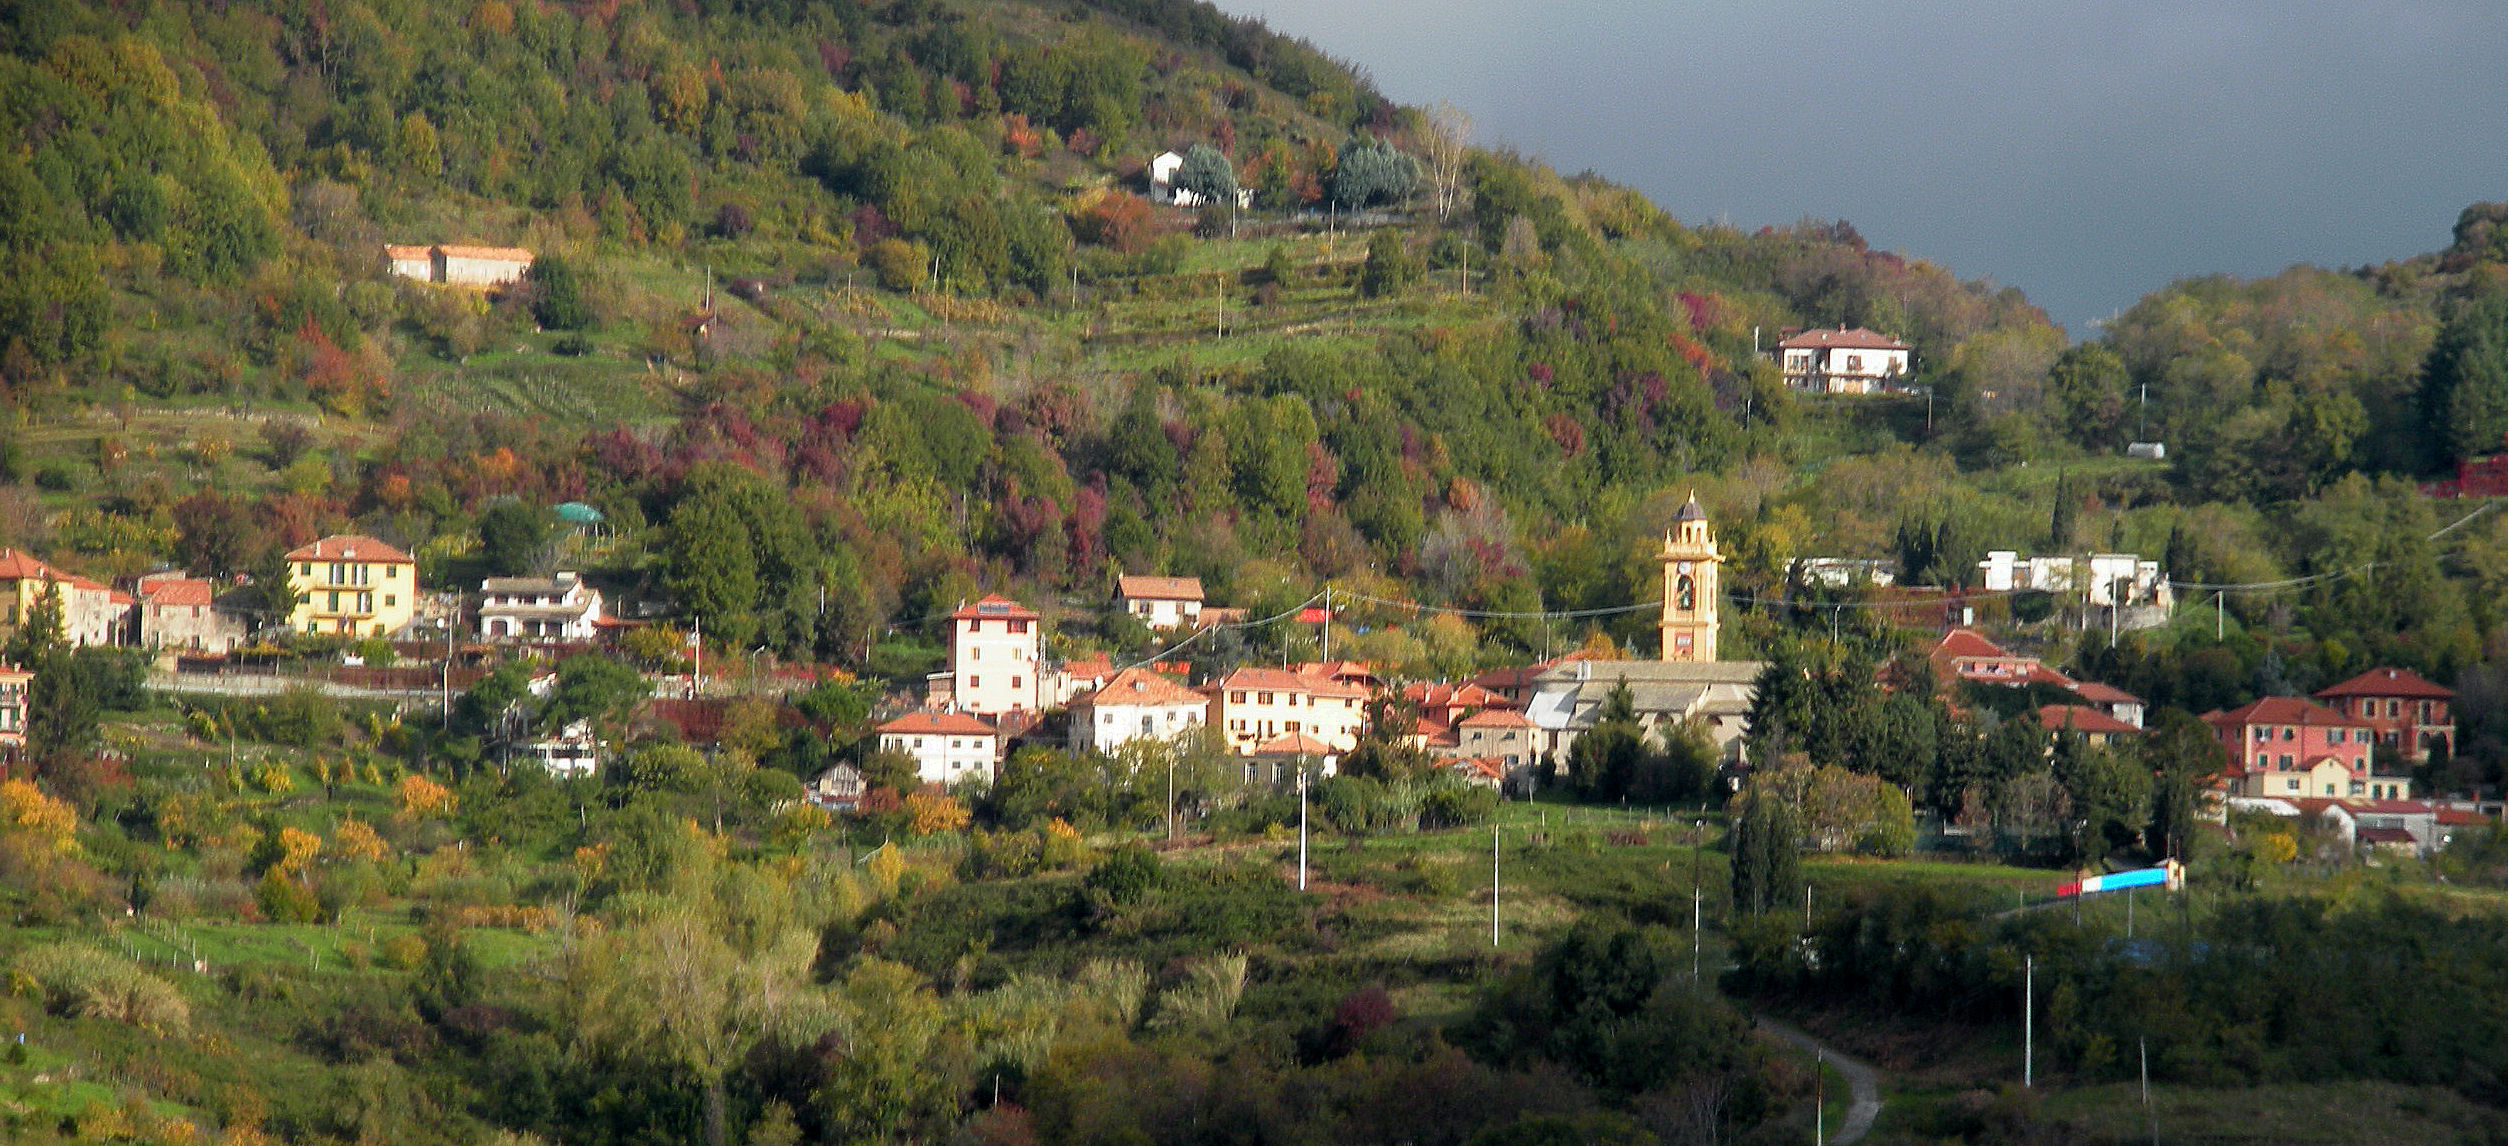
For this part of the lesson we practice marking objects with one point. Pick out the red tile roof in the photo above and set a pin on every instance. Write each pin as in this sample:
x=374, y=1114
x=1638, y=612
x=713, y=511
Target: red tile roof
x=992, y=607
x=501, y=254
x=2096, y=693
x=2282, y=710
x=2390, y=682
x=929, y=723
x=399, y=251
x=1146, y=588
x=350, y=547
x=1968, y=643
x=1281, y=680
x=2083, y=719
x=1293, y=744
x=1138, y=686
x=178, y=591
x=1497, y=718
x=16, y=566
x=1437, y=694
x=2385, y=836
x=1842, y=338
x=2460, y=818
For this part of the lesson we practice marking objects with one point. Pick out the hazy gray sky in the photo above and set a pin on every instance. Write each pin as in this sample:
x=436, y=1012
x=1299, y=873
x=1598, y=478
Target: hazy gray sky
x=2087, y=152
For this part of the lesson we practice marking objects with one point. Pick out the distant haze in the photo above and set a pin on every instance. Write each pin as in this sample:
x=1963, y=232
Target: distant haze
x=2087, y=152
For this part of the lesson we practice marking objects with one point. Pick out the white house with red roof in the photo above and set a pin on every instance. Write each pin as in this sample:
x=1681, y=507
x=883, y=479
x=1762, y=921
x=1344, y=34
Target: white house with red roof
x=946, y=746
x=2290, y=747
x=1843, y=361
x=1252, y=707
x=1135, y=704
x=92, y=613
x=2409, y=713
x=2111, y=700
x=993, y=657
x=1968, y=655
x=1160, y=602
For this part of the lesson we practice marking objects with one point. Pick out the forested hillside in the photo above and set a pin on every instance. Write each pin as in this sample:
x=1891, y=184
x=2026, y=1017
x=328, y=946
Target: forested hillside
x=843, y=313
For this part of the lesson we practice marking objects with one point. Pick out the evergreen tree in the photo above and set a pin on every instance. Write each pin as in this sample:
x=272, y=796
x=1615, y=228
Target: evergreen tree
x=1766, y=843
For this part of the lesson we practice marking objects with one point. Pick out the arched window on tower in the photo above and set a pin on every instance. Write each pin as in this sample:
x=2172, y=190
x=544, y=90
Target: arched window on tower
x=1685, y=596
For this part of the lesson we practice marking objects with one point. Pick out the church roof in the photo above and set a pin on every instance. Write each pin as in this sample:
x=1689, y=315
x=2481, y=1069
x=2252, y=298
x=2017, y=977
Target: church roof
x=1691, y=511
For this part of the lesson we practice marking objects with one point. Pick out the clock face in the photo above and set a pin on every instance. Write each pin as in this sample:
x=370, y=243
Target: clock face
x=1689, y=566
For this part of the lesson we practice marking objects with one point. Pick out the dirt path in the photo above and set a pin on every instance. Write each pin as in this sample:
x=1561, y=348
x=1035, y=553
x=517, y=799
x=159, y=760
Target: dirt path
x=1863, y=1083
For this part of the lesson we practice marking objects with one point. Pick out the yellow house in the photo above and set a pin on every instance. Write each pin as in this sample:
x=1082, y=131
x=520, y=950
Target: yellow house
x=354, y=585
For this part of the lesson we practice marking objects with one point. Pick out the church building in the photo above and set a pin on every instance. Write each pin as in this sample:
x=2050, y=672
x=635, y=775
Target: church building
x=1686, y=680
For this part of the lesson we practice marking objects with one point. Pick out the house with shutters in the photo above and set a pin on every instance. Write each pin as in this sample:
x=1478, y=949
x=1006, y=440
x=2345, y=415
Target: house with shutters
x=181, y=614
x=1135, y=704
x=539, y=610
x=353, y=585
x=1160, y=602
x=1966, y=654
x=2286, y=746
x=993, y=665
x=93, y=614
x=2093, y=726
x=2407, y=712
x=14, y=685
x=946, y=746
x=1253, y=707
x=1843, y=361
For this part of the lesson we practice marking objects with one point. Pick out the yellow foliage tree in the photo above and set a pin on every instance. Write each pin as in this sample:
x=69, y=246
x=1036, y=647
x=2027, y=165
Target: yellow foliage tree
x=2277, y=847
x=420, y=796
x=28, y=808
x=297, y=849
x=357, y=840
x=932, y=813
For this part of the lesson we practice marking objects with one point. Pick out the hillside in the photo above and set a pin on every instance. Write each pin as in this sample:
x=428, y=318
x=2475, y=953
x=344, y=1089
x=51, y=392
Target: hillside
x=842, y=314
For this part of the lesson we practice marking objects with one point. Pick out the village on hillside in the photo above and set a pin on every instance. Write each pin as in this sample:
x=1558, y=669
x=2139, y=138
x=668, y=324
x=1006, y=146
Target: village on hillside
x=2337, y=761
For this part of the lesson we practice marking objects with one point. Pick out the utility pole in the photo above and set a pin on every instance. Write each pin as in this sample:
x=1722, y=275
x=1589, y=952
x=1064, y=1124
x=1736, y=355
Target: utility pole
x=1697, y=923
x=1301, y=766
x=696, y=640
x=1327, y=620
x=1493, y=884
x=2029, y=1022
x=1171, y=799
x=1819, y=1095
x=2220, y=616
x=1219, y=301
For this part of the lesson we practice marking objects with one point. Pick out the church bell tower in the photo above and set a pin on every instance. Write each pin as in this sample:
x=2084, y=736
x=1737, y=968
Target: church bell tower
x=1691, y=586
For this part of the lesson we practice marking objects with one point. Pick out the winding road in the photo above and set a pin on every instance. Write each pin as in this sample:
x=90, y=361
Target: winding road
x=1863, y=1083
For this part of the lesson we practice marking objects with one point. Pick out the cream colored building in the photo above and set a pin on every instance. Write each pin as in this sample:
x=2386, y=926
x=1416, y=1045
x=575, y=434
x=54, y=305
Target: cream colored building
x=1253, y=707
x=353, y=585
x=992, y=657
x=92, y=614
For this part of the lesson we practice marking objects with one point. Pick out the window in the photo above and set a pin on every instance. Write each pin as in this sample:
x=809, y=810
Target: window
x=2286, y=761
x=1686, y=596
x=1237, y=697
x=335, y=600
x=1854, y=363
x=1018, y=682
x=2264, y=734
x=2425, y=712
x=974, y=683
x=2290, y=733
x=918, y=742
x=1266, y=699
x=2334, y=737
x=389, y=600
x=1110, y=718
x=1018, y=626
x=305, y=570
x=2293, y=785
